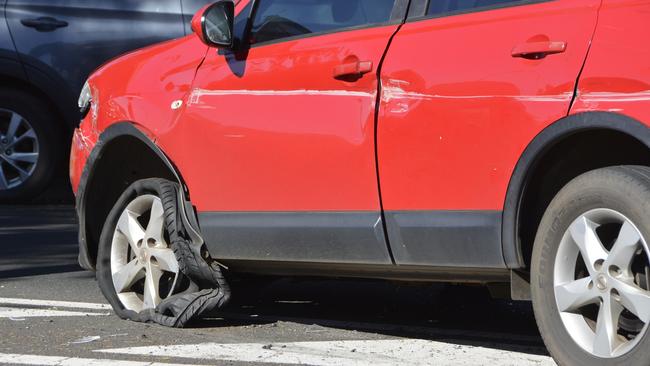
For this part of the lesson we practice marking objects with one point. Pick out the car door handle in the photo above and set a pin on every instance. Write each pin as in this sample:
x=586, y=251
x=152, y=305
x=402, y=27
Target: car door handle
x=44, y=24
x=538, y=50
x=352, y=70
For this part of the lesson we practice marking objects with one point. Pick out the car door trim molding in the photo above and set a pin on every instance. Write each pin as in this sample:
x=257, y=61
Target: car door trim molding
x=328, y=237
x=425, y=239
x=442, y=238
x=418, y=10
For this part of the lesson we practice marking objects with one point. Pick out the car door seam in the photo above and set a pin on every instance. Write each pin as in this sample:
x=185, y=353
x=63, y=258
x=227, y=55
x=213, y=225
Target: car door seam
x=377, y=108
x=576, y=85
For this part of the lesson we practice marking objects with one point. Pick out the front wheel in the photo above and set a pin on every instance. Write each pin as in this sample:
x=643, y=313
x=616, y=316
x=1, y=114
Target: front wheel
x=590, y=276
x=136, y=266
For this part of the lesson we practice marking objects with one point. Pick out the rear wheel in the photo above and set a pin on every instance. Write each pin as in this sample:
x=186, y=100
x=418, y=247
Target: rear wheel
x=590, y=277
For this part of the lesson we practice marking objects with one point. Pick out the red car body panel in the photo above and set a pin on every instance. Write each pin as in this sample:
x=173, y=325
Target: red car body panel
x=121, y=94
x=627, y=90
x=455, y=117
x=434, y=130
x=302, y=140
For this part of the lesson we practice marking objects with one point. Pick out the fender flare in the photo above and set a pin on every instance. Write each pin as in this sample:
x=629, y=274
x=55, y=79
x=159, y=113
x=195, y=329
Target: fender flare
x=110, y=134
x=543, y=142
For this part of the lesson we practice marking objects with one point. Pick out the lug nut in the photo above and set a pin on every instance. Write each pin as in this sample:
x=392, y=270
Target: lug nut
x=598, y=264
x=9, y=152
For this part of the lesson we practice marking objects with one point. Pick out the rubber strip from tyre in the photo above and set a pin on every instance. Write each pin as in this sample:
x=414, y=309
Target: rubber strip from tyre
x=194, y=262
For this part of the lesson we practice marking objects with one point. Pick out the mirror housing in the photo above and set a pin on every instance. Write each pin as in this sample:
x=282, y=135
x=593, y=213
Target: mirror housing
x=213, y=24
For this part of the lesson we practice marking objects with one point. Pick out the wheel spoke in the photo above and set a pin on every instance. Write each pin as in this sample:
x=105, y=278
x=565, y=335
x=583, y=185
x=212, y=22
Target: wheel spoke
x=29, y=134
x=156, y=221
x=606, y=339
x=14, y=123
x=22, y=173
x=152, y=286
x=166, y=259
x=575, y=294
x=625, y=246
x=131, y=228
x=24, y=157
x=634, y=299
x=583, y=232
x=127, y=276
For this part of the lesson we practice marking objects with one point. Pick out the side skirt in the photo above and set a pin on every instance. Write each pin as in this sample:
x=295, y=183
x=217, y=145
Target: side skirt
x=326, y=237
x=369, y=271
x=434, y=243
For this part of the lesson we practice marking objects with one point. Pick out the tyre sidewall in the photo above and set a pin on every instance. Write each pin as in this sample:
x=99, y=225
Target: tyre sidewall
x=619, y=189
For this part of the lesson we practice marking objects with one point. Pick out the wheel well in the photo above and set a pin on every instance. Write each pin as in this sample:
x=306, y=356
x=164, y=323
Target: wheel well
x=8, y=82
x=123, y=161
x=566, y=159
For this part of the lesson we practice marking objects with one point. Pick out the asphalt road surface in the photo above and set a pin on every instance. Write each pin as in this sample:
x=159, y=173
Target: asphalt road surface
x=52, y=313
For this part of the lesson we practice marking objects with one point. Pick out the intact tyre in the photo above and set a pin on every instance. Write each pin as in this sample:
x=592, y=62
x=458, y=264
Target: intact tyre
x=31, y=147
x=136, y=266
x=590, y=266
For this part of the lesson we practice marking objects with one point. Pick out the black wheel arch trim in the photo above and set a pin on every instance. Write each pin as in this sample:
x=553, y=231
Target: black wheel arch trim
x=46, y=82
x=543, y=142
x=11, y=67
x=52, y=86
x=111, y=133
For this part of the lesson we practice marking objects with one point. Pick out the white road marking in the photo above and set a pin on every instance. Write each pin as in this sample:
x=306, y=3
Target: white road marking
x=349, y=353
x=19, y=313
x=54, y=303
x=17, y=359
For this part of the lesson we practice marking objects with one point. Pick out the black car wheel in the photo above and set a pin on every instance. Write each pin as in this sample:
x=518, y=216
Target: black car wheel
x=30, y=145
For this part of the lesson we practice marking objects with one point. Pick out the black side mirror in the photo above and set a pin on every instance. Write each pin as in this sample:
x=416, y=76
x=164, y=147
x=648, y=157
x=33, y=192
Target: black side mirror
x=213, y=24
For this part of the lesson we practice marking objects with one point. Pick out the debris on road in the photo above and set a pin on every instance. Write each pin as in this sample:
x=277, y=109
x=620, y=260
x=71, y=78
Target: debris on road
x=87, y=339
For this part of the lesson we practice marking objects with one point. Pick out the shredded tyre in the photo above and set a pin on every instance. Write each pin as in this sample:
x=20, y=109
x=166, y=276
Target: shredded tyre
x=206, y=288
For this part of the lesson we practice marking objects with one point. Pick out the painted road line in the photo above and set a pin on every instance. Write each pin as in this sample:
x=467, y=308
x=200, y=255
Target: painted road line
x=17, y=359
x=54, y=303
x=387, y=352
x=19, y=313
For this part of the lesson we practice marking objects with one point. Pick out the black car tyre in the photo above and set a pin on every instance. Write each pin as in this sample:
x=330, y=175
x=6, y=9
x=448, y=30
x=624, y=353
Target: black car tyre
x=590, y=269
x=31, y=145
x=136, y=266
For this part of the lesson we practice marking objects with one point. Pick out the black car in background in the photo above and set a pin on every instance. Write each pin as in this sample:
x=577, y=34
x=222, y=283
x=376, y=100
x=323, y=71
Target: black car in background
x=47, y=49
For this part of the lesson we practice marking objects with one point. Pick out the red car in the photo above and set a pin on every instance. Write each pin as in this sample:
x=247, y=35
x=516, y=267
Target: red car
x=489, y=141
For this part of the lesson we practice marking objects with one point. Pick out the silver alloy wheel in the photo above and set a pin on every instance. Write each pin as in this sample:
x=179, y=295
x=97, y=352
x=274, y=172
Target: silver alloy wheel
x=144, y=268
x=19, y=149
x=600, y=280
